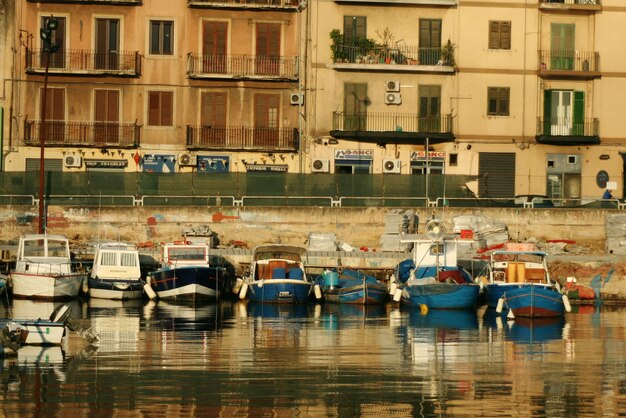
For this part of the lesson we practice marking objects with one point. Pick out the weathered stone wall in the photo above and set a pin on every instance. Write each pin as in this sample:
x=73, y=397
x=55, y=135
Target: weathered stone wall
x=356, y=226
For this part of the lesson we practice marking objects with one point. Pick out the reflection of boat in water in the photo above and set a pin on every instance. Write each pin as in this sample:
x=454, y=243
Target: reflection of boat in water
x=529, y=330
x=40, y=355
x=273, y=310
x=179, y=316
x=444, y=319
x=349, y=311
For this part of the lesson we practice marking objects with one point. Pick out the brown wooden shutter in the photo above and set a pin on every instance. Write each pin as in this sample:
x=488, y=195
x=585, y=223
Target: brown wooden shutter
x=107, y=106
x=213, y=109
x=494, y=35
x=153, y=108
x=504, y=101
x=268, y=39
x=55, y=103
x=214, y=37
x=263, y=104
x=505, y=35
x=167, y=108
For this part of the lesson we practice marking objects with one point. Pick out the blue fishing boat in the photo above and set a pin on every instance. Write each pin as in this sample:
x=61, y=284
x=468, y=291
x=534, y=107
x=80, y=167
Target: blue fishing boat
x=519, y=280
x=350, y=286
x=276, y=275
x=187, y=273
x=433, y=277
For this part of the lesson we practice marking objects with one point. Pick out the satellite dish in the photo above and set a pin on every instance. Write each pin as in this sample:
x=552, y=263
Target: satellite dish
x=435, y=229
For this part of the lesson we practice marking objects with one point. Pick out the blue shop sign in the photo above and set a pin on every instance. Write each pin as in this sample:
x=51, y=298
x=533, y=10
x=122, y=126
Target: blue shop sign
x=158, y=163
x=213, y=164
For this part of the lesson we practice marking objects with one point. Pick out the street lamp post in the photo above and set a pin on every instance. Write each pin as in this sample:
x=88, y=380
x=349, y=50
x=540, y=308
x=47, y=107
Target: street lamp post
x=48, y=48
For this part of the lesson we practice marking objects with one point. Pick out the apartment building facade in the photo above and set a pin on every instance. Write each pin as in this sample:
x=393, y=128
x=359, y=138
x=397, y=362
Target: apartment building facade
x=519, y=94
x=515, y=93
x=155, y=86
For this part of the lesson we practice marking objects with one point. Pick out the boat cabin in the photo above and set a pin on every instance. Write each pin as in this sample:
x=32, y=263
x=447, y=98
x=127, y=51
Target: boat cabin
x=116, y=260
x=278, y=262
x=185, y=254
x=42, y=253
x=518, y=267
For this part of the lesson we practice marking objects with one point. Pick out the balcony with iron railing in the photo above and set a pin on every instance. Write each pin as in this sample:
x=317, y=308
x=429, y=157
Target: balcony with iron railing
x=242, y=138
x=574, y=5
x=568, y=131
x=398, y=58
x=105, y=2
x=81, y=134
x=569, y=64
x=287, y=5
x=85, y=62
x=406, y=128
x=242, y=67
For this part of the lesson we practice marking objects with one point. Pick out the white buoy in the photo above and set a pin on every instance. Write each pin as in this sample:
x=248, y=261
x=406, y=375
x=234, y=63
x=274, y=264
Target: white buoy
x=392, y=288
x=149, y=291
x=237, y=286
x=500, y=305
x=85, y=285
x=318, y=292
x=243, y=291
x=397, y=295
x=568, y=307
x=510, y=315
x=260, y=283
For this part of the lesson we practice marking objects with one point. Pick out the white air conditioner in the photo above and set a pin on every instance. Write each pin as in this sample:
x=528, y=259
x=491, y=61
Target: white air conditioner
x=297, y=99
x=72, y=160
x=393, y=98
x=187, y=159
x=320, y=166
x=391, y=166
x=393, y=85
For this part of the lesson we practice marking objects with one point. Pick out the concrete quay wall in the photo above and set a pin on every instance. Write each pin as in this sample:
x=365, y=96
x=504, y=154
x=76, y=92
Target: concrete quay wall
x=359, y=227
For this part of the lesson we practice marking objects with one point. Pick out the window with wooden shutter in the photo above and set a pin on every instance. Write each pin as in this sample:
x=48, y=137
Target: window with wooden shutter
x=266, y=120
x=499, y=34
x=214, y=36
x=161, y=37
x=268, y=48
x=55, y=115
x=213, y=118
x=498, y=101
x=160, y=108
x=354, y=29
x=106, y=117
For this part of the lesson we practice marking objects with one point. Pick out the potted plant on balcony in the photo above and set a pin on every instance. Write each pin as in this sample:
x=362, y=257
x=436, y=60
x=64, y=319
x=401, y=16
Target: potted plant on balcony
x=336, y=47
x=447, y=54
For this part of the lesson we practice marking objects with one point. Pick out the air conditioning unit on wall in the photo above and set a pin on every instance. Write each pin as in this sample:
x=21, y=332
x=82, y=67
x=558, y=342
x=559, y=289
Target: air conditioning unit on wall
x=391, y=166
x=72, y=160
x=320, y=166
x=393, y=85
x=187, y=159
x=393, y=98
x=297, y=99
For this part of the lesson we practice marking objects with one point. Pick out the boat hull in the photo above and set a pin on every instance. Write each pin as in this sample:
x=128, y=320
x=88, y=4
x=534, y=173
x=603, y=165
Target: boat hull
x=279, y=291
x=115, y=289
x=534, y=301
x=42, y=332
x=192, y=282
x=441, y=295
x=35, y=286
x=495, y=291
x=360, y=294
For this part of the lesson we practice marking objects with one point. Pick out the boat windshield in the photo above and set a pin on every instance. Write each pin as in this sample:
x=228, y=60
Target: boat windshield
x=520, y=257
x=37, y=248
x=186, y=254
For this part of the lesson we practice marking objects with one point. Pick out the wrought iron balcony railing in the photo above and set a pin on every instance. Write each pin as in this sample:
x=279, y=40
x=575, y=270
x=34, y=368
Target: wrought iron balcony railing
x=81, y=61
x=242, y=66
x=108, y=2
x=391, y=122
x=569, y=61
x=398, y=55
x=566, y=126
x=84, y=134
x=248, y=4
x=586, y=3
x=242, y=138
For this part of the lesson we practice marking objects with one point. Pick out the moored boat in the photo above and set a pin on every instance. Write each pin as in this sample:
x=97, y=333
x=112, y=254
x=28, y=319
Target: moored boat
x=187, y=273
x=277, y=275
x=432, y=277
x=116, y=273
x=44, y=269
x=519, y=280
x=351, y=286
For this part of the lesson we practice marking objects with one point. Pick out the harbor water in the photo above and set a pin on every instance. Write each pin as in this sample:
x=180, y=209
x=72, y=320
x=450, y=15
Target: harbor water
x=226, y=359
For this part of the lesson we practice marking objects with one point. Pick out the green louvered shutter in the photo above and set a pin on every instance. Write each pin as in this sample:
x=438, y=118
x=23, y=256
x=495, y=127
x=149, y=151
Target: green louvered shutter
x=547, y=112
x=579, y=113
